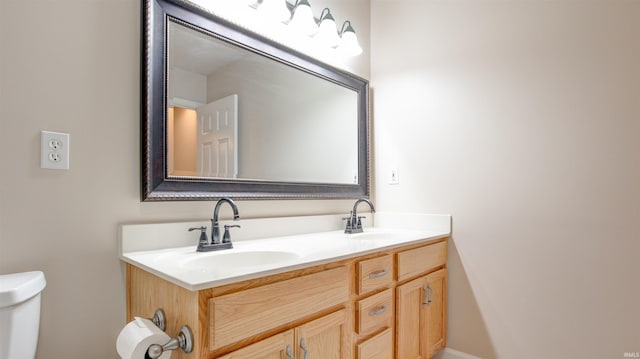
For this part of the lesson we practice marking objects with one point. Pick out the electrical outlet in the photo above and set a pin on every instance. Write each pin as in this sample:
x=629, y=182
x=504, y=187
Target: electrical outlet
x=55, y=144
x=55, y=157
x=54, y=150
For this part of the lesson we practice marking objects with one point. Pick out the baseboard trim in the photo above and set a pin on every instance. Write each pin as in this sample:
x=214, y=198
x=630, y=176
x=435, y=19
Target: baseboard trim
x=448, y=353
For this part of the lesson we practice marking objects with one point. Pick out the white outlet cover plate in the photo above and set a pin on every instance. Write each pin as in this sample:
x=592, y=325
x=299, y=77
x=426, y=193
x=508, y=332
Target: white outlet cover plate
x=54, y=145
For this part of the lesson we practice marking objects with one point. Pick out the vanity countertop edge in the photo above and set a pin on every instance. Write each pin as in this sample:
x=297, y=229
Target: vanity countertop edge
x=311, y=249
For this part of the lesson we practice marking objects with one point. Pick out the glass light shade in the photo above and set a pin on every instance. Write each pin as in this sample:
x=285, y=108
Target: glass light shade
x=328, y=31
x=275, y=10
x=302, y=20
x=349, y=43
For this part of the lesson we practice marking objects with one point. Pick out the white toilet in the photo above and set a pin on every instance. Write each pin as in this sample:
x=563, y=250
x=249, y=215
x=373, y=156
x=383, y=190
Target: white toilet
x=20, y=314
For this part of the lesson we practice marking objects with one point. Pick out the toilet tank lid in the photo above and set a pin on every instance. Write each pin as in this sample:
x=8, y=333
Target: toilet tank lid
x=18, y=287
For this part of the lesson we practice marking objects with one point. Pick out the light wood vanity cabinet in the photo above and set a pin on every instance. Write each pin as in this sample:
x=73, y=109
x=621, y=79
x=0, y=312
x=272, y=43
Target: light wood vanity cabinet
x=384, y=305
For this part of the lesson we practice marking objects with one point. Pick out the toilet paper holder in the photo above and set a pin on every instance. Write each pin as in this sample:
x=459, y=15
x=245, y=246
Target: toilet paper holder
x=184, y=339
x=159, y=319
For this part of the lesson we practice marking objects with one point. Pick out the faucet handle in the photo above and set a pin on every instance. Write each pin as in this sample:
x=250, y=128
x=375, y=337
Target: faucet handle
x=226, y=238
x=203, y=241
x=350, y=222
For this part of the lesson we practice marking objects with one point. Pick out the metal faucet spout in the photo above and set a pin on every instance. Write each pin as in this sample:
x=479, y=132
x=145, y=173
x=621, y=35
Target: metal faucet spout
x=215, y=227
x=365, y=200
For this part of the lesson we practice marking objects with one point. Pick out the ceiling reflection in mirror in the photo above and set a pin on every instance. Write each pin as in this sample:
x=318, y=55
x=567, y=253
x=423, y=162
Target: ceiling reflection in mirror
x=236, y=114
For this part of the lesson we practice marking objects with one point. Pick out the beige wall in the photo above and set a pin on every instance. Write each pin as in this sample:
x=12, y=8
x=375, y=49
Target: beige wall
x=521, y=119
x=74, y=66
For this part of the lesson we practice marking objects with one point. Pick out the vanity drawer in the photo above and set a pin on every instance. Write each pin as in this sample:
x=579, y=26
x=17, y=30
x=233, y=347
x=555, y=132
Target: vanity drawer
x=378, y=347
x=375, y=273
x=374, y=312
x=240, y=315
x=419, y=260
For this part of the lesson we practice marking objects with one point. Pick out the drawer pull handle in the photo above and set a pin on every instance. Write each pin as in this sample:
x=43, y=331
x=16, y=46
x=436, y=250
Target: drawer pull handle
x=289, y=353
x=303, y=345
x=379, y=274
x=380, y=310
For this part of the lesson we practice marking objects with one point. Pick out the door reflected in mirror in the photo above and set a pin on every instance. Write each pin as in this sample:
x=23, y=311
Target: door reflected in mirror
x=233, y=113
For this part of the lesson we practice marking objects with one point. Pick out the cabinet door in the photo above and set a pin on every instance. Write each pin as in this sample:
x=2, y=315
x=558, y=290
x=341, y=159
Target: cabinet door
x=280, y=346
x=436, y=311
x=323, y=338
x=421, y=316
x=410, y=322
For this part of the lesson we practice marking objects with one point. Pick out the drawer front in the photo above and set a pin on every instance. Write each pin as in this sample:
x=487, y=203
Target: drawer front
x=374, y=312
x=243, y=314
x=375, y=273
x=272, y=347
x=420, y=260
x=378, y=347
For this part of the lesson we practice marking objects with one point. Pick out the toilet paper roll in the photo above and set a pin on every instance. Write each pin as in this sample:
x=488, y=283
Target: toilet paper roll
x=136, y=337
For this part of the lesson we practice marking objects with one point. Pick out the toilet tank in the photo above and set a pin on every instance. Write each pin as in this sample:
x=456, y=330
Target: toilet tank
x=20, y=314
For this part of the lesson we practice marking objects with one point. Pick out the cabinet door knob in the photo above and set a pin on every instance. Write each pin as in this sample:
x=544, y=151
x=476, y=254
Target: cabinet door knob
x=289, y=352
x=380, y=310
x=303, y=345
x=379, y=274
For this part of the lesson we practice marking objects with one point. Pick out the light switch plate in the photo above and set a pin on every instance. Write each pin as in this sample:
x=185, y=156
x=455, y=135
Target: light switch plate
x=54, y=150
x=394, y=176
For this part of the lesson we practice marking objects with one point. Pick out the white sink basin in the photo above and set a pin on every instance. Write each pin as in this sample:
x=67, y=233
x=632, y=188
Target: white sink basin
x=237, y=259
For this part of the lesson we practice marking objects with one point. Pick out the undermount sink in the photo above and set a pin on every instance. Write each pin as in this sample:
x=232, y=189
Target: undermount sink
x=238, y=259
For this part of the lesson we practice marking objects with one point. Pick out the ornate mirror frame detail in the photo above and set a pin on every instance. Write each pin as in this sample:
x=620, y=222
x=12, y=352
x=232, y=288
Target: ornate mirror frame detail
x=156, y=184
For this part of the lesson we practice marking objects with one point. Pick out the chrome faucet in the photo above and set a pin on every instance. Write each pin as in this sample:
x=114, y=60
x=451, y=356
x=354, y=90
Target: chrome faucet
x=216, y=243
x=354, y=222
x=215, y=229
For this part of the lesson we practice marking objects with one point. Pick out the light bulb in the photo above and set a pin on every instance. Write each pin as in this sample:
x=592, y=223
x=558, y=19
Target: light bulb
x=349, y=41
x=327, y=31
x=302, y=20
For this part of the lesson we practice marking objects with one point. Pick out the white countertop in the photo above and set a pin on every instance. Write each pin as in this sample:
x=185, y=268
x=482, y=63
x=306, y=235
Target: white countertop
x=254, y=258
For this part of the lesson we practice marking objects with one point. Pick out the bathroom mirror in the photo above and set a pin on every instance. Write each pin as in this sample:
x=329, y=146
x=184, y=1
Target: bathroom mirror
x=227, y=112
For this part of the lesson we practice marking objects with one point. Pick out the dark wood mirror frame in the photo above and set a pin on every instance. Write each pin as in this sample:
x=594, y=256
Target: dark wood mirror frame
x=156, y=184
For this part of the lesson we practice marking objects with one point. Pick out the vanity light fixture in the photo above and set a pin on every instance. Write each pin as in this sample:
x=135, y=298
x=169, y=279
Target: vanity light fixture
x=327, y=30
x=275, y=10
x=302, y=20
x=292, y=25
x=349, y=41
